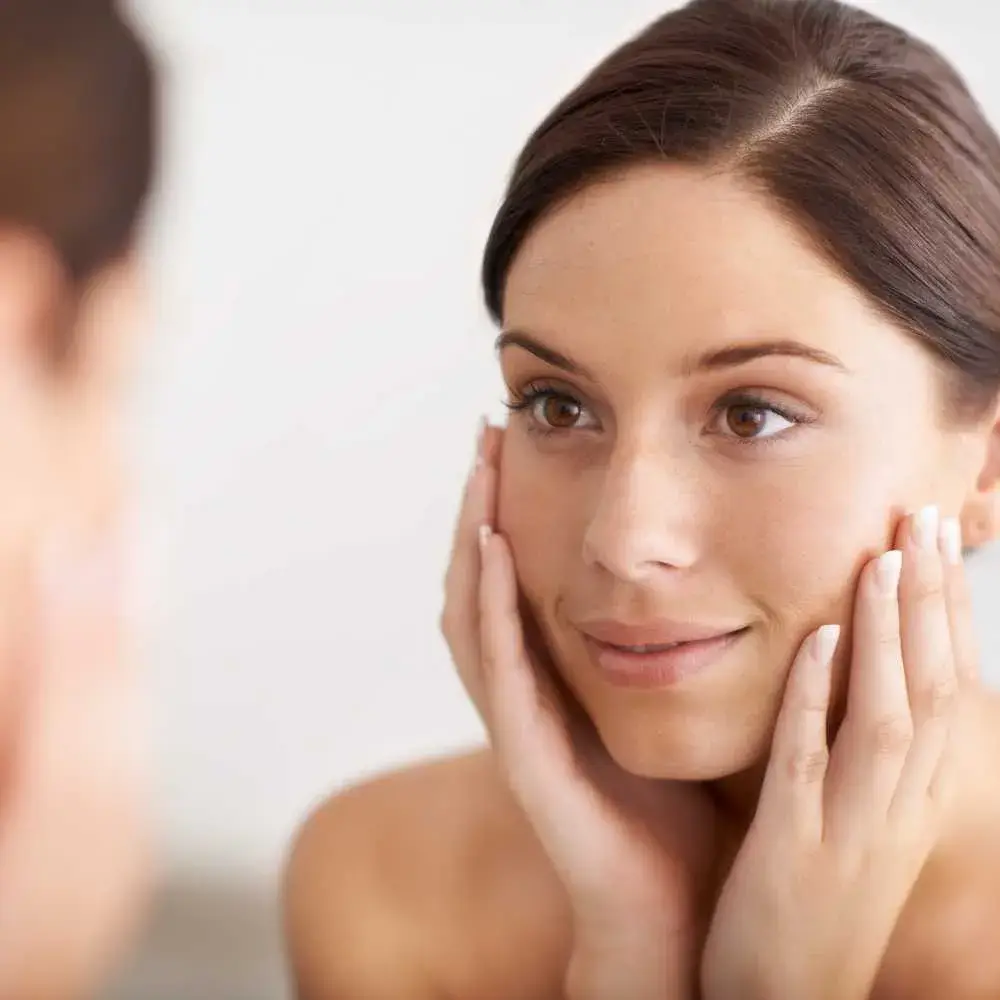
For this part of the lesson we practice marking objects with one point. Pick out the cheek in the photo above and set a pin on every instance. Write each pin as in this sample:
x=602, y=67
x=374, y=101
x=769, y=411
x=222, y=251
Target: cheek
x=535, y=506
x=813, y=529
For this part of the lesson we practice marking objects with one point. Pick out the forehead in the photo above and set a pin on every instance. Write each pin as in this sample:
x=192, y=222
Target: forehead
x=673, y=247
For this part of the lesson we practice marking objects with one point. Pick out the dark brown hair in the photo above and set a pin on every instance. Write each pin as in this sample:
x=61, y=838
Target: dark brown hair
x=77, y=128
x=862, y=134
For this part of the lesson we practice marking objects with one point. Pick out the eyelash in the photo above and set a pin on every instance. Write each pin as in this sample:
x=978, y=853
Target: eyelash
x=535, y=392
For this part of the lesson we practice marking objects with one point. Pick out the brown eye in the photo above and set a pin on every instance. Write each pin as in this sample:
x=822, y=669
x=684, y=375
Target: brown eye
x=753, y=420
x=560, y=412
x=746, y=421
x=552, y=411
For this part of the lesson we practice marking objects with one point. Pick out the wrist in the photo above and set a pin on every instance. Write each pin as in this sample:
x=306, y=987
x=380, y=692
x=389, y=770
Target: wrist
x=641, y=960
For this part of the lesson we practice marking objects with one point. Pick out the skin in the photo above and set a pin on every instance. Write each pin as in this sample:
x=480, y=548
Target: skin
x=657, y=484
x=645, y=502
x=72, y=764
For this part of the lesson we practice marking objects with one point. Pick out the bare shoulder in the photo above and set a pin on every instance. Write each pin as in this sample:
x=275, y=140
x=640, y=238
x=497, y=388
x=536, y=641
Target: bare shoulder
x=425, y=882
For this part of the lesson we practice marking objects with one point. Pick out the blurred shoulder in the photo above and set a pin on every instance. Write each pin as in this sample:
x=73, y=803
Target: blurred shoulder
x=419, y=882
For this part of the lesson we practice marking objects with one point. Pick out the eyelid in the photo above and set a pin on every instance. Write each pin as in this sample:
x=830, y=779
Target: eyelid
x=549, y=387
x=524, y=399
x=795, y=418
x=759, y=398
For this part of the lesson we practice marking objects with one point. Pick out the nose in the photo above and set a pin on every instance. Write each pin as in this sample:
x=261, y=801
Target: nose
x=644, y=522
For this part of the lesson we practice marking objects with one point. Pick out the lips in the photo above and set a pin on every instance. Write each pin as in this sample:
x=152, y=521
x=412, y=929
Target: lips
x=657, y=654
x=655, y=635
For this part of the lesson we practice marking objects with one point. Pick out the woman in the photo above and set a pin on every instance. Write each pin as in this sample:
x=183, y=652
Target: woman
x=77, y=93
x=707, y=587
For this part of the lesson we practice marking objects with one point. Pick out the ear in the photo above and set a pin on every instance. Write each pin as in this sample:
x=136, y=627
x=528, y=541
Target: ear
x=980, y=514
x=980, y=518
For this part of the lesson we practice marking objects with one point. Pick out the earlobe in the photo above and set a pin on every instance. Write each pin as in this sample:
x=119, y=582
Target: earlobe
x=989, y=474
x=980, y=516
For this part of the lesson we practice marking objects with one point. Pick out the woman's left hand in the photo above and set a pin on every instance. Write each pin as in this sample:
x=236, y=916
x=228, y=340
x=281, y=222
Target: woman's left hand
x=841, y=836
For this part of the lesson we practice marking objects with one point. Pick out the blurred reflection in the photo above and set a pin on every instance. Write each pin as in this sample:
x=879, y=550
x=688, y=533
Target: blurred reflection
x=77, y=115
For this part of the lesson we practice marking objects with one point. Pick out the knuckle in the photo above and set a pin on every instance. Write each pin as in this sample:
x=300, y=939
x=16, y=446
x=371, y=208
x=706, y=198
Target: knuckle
x=927, y=590
x=935, y=699
x=887, y=639
x=892, y=735
x=808, y=766
x=487, y=661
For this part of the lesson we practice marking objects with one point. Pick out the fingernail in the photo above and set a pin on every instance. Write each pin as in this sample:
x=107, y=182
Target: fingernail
x=925, y=528
x=484, y=536
x=825, y=641
x=890, y=565
x=951, y=540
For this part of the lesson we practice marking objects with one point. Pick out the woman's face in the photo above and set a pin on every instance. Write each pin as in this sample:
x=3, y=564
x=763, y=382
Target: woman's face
x=730, y=432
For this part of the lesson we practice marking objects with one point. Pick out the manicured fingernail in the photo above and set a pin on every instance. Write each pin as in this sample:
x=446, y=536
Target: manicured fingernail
x=484, y=536
x=890, y=565
x=925, y=528
x=951, y=540
x=824, y=643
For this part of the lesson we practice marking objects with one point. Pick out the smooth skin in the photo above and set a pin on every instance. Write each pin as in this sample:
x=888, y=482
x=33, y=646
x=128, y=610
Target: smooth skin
x=656, y=843
x=848, y=841
x=76, y=866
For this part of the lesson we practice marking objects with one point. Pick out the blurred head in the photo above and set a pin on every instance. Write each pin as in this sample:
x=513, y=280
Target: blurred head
x=746, y=274
x=77, y=96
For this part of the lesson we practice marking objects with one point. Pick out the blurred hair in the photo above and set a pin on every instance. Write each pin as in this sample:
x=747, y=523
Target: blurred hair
x=77, y=128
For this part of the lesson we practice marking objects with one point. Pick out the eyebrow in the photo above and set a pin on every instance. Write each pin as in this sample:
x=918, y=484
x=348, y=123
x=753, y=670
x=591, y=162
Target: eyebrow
x=726, y=357
x=516, y=338
x=729, y=357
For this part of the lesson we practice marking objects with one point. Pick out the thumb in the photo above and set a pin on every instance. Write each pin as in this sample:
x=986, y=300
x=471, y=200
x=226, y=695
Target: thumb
x=530, y=730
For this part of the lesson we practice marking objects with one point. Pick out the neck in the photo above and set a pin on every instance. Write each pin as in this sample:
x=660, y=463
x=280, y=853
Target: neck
x=736, y=795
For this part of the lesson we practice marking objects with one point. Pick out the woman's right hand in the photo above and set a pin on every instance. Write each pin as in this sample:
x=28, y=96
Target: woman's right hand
x=633, y=854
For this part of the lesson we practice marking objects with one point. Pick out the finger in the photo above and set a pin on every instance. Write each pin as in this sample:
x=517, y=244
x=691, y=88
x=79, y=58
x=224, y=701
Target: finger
x=460, y=615
x=958, y=600
x=928, y=659
x=792, y=794
x=470, y=512
x=522, y=719
x=529, y=733
x=874, y=739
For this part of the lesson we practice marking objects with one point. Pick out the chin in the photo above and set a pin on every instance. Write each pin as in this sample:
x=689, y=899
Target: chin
x=679, y=753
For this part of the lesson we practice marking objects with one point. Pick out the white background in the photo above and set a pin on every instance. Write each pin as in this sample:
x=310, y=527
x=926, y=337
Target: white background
x=306, y=408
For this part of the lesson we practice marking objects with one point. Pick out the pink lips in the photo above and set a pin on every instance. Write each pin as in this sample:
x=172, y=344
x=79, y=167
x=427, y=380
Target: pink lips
x=656, y=654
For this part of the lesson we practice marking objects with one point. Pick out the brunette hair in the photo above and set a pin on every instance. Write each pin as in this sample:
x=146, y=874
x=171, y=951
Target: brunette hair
x=861, y=133
x=77, y=128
